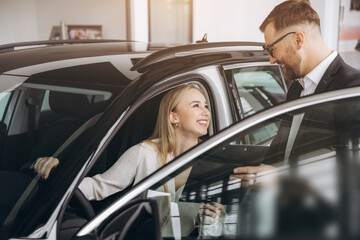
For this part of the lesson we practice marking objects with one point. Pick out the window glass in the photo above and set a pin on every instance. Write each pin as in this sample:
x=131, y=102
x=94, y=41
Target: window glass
x=170, y=21
x=258, y=88
x=262, y=136
x=92, y=97
x=4, y=98
x=306, y=187
x=41, y=120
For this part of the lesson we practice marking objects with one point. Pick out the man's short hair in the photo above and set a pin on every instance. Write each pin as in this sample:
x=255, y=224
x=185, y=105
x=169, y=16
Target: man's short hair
x=289, y=13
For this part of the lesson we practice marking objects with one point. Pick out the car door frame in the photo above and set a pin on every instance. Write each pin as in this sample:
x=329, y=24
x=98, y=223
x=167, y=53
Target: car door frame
x=158, y=88
x=167, y=171
x=237, y=105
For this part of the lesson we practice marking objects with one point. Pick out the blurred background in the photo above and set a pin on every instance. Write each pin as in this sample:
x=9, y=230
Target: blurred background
x=169, y=21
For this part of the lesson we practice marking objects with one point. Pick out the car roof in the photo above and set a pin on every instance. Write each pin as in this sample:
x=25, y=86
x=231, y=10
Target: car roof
x=191, y=49
x=130, y=58
x=15, y=56
x=184, y=63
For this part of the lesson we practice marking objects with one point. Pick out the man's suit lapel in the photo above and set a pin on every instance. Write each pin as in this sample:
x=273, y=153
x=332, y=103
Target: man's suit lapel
x=329, y=75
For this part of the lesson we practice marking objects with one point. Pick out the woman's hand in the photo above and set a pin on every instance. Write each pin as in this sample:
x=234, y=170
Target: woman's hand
x=44, y=165
x=209, y=212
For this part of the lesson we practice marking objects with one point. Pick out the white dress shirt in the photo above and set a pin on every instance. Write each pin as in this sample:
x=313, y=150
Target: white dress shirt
x=312, y=79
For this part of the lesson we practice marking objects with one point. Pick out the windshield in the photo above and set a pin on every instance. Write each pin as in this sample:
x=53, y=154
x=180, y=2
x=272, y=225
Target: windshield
x=39, y=118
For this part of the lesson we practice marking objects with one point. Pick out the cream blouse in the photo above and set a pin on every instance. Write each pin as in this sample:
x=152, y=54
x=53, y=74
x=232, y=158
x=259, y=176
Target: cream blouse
x=135, y=164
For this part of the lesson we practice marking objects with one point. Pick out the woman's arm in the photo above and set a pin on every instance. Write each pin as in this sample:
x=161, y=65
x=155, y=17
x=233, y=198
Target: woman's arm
x=116, y=178
x=135, y=164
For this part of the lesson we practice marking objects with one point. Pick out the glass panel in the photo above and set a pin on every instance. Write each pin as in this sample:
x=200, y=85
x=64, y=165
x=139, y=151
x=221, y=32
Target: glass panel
x=170, y=21
x=4, y=98
x=263, y=136
x=41, y=120
x=258, y=88
x=307, y=185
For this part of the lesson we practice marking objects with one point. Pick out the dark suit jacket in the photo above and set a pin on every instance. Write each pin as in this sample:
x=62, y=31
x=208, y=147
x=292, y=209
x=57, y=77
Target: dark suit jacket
x=338, y=75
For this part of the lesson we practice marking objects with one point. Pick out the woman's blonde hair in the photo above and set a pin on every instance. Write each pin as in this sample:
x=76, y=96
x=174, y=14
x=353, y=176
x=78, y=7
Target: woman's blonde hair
x=164, y=129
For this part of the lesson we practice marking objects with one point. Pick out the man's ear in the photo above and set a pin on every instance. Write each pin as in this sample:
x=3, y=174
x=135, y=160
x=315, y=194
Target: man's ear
x=299, y=39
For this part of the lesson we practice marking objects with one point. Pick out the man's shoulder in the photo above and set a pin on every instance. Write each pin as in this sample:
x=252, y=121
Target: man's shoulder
x=350, y=75
x=344, y=73
x=345, y=68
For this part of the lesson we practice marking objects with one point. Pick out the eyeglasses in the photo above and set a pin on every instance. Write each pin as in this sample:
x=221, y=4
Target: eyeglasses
x=267, y=48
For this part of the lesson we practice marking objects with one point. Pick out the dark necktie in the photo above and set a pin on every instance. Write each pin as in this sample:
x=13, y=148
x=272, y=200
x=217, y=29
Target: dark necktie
x=295, y=90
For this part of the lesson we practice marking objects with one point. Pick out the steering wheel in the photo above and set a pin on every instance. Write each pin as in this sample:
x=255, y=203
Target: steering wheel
x=84, y=204
x=71, y=224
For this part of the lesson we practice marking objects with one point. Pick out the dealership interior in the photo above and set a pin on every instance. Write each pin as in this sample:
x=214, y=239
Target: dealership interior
x=179, y=119
x=169, y=21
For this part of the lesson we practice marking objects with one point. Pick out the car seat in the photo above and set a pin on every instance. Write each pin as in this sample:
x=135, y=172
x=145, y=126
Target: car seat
x=68, y=112
x=138, y=127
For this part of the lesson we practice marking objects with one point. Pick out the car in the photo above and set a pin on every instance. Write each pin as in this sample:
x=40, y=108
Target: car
x=309, y=190
x=86, y=102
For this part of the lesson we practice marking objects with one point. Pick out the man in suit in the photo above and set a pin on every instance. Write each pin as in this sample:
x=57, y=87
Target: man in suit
x=293, y=40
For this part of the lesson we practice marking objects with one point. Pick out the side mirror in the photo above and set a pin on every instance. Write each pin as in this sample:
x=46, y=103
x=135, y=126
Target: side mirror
x=137, y=220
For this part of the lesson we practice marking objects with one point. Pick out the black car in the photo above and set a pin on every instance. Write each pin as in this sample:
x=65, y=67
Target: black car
x=88, y=102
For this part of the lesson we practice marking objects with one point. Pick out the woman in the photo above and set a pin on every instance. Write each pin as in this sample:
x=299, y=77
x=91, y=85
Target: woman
x=183, y=117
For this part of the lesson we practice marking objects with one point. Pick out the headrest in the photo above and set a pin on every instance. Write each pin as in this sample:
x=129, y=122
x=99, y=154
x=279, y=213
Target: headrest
x=69, y=104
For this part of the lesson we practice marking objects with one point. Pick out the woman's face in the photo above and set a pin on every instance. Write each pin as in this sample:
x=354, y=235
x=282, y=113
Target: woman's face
x=191, y=114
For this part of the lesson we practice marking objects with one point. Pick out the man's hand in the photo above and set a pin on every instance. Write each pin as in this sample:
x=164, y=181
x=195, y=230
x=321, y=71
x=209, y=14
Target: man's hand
x=249, y=173
x=44, y=165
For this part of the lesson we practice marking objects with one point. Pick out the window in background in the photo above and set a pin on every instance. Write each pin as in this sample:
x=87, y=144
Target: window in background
x=170, y=21
x=349, y=32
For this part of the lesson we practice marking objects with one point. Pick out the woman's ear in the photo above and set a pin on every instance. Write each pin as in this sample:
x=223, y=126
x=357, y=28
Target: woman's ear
x=173, y=118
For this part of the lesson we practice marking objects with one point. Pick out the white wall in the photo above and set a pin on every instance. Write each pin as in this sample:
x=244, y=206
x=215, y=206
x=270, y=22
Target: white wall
x=170, y=21
x=224, y=20
x=231, y=20
x=17, y=21
x=31, y=20
x=108, y=13
x=239, y=20
x=329, y=12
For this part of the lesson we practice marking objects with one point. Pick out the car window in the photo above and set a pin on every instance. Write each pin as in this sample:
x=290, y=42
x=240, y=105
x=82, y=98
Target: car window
x=38, y=119
x=257, y=88
x=4, y=99
x=307, y=187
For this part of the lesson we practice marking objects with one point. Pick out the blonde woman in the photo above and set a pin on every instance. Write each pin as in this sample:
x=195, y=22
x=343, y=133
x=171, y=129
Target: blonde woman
x=183, y=117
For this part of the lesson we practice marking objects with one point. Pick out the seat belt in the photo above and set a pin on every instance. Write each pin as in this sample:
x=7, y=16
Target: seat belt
x=89, y=123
